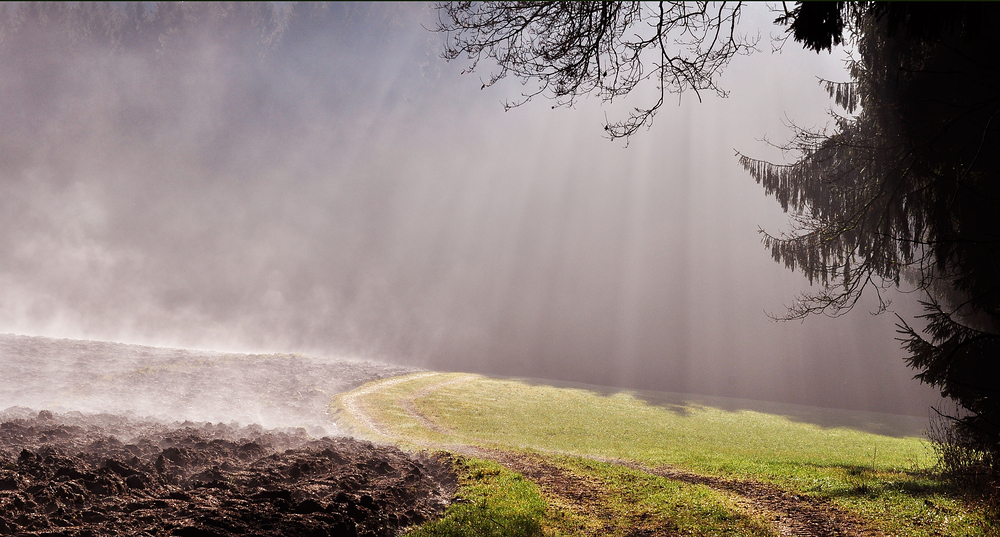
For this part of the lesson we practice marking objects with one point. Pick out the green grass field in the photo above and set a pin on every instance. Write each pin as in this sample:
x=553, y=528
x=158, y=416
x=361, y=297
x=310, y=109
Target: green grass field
x=876, y=467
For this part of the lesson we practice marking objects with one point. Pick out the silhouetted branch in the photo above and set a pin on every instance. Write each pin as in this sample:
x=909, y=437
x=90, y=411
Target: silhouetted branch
x=564, y=50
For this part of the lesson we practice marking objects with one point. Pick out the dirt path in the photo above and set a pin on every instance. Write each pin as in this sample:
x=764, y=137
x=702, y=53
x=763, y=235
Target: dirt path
x=788, y=514
x=579, y=494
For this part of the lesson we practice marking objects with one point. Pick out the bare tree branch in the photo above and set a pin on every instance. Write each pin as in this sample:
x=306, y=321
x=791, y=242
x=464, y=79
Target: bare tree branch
x=565, y=50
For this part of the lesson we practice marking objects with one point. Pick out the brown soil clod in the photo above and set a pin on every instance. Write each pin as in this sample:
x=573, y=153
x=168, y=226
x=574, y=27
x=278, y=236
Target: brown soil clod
x=72, y=476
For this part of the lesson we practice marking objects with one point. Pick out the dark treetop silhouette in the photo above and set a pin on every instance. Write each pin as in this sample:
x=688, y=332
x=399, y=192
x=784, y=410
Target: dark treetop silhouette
x=905, y=190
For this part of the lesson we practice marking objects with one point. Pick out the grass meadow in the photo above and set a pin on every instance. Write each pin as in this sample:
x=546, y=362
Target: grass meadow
x=877, y=467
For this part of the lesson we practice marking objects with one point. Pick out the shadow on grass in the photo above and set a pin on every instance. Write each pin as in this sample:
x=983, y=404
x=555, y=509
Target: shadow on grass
x=873, y=489
x=683, y=404
x=867, y=483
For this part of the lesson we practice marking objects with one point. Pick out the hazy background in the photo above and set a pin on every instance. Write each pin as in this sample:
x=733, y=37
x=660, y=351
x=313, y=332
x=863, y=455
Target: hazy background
x=349, y=193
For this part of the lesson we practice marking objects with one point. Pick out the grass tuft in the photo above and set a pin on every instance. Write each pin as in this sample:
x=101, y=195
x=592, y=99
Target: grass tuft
x=491, y=502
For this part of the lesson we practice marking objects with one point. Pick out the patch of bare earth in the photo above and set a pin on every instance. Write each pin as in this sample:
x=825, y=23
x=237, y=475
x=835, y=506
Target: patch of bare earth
x=80, y=476
x=788, y=514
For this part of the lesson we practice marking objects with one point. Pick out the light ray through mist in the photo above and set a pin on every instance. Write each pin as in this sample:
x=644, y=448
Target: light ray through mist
x=350, y=193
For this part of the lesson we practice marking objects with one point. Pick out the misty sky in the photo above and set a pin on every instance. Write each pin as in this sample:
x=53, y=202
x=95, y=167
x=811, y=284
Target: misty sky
x=348, y=192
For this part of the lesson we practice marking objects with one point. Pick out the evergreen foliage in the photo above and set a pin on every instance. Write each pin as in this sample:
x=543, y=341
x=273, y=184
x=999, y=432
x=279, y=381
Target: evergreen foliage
x=907, y=188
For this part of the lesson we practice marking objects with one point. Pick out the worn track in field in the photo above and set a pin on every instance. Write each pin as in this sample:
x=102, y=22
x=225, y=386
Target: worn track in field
x=787, y=514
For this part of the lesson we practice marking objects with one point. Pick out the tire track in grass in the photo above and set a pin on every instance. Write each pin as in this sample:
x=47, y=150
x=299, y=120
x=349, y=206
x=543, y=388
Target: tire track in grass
x=352, y=406
x=786, y=513
x=582, y=495
x=409, y=406
x=789, y=513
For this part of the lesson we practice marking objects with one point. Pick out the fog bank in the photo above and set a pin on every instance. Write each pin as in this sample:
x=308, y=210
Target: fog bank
x=346, y=192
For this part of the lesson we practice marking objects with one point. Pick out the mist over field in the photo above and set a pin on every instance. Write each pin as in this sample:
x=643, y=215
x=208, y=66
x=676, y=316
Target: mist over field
x=346, y=192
